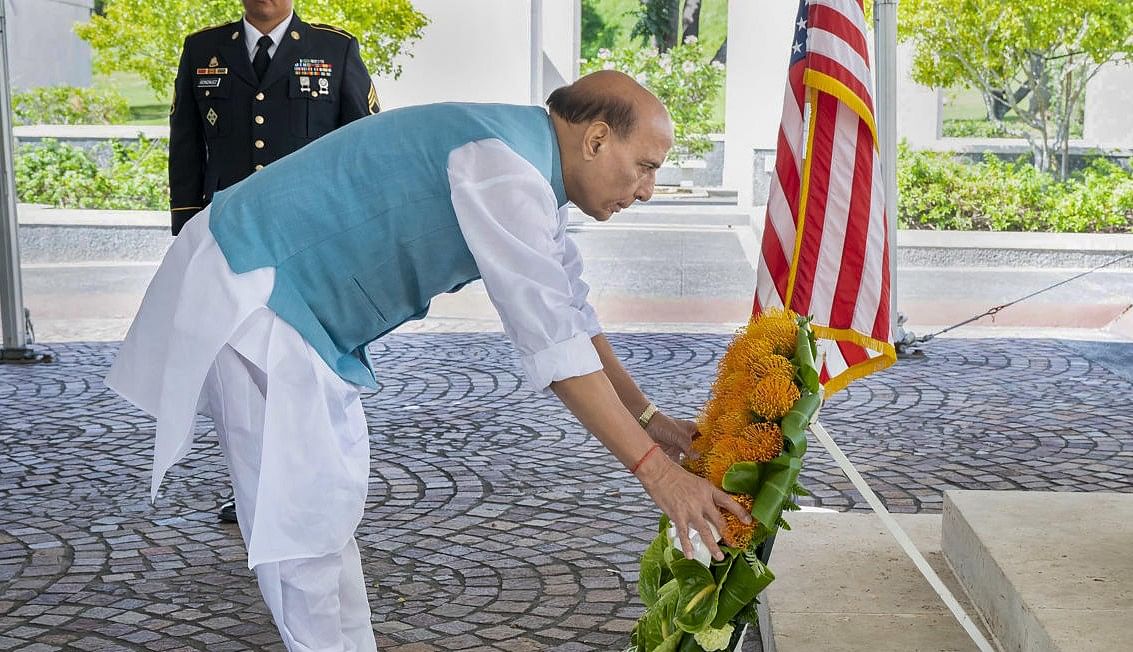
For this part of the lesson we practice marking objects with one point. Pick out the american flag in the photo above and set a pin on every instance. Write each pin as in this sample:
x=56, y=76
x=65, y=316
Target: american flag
x=825, y=248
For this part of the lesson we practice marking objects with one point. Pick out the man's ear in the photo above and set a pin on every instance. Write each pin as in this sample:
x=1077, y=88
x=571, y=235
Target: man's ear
x=596, y=137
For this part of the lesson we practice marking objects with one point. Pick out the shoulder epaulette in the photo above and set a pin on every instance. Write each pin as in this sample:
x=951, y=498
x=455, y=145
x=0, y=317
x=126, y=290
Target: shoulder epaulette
x=208, y=29
x=332, y=28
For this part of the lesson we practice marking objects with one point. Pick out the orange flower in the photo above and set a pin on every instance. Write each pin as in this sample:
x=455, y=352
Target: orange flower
x=778, y=327
x=765, y=440
x=726, y=450
x=736, y=534
x=731, y=422
x=749, y=352
x=774, y=396
x=773, y=364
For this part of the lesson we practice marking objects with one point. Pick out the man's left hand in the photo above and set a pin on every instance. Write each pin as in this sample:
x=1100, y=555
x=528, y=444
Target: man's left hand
x=674, y=435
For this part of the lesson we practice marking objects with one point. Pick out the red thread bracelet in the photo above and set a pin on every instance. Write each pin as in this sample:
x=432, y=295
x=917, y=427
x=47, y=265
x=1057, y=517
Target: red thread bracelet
x=644, y=457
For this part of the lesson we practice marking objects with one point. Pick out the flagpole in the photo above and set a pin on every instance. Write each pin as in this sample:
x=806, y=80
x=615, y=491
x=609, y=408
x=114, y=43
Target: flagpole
x=885, y=49
x=11, y=295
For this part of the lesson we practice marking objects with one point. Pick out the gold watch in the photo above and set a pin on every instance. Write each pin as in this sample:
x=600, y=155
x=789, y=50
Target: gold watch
x=647, y=414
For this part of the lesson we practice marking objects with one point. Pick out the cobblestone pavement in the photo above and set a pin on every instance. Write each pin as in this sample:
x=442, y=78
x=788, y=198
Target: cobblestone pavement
x=494, y=521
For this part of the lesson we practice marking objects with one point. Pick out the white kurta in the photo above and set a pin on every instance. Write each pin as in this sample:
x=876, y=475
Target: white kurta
x=196, y=305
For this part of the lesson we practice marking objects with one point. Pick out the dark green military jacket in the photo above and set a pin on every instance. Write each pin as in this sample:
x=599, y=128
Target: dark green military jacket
x=225, y=124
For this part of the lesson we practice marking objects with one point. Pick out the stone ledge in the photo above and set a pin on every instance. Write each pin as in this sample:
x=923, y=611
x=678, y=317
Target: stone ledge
x=1049, y=571
x=89, y=132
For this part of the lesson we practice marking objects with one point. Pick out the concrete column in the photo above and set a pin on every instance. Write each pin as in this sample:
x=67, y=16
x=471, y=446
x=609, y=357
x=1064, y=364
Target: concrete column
x=479, y=51
x=562, y=43
x=918, y=107
x=759, y=41
x=1109, y=121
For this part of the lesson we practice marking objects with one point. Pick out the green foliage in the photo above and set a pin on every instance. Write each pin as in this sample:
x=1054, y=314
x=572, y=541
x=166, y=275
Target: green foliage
x=1035, y=56
x=597, y=31
x=145, y=36
x=682, y=79
x=69, y=105
x=959, y=128
x=62, y=175
x=657, y=21
x=938, y=191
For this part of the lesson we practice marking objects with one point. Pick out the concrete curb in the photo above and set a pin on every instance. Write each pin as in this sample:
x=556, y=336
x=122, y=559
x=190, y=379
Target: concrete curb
x=53, y=235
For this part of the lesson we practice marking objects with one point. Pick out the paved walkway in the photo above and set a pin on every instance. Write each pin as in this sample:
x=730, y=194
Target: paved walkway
x=494, y=521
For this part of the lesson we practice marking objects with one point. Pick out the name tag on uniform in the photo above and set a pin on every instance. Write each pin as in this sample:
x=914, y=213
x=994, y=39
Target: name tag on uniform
x=209, y=82
x=212, y=71
x=313, y=68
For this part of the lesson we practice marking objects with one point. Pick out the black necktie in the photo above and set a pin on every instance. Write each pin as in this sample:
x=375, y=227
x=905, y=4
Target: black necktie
x=261, y=60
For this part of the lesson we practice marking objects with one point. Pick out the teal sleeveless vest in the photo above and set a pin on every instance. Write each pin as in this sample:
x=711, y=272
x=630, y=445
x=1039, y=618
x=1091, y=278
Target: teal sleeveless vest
x=359, y=225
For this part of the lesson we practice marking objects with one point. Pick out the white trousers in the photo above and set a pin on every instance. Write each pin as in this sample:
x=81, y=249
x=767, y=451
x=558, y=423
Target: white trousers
x=319, y=603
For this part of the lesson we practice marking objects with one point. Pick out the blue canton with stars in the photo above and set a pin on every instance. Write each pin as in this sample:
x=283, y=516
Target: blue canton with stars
x=798, y=45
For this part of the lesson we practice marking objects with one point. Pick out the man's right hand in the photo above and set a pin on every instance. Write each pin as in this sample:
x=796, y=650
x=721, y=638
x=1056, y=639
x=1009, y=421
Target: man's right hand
x=689, y=501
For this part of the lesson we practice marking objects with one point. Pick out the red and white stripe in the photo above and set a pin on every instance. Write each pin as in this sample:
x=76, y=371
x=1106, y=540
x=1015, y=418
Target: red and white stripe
x=841, y=273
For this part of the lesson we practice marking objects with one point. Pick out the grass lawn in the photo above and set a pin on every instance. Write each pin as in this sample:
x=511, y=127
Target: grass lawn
x=146, y=107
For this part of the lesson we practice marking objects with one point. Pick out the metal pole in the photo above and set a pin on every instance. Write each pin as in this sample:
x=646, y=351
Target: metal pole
x=885, y=49
x=12, y=315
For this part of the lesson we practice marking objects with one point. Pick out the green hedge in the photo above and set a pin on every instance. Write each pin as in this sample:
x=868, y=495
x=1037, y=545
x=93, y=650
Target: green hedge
x=937, y=191
x=69, y=105
x=62, y=175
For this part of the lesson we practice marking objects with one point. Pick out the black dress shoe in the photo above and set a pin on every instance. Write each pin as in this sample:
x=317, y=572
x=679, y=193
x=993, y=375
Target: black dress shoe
x=228, y=512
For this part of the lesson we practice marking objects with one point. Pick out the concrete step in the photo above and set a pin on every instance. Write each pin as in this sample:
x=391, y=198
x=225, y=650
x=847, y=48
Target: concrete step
x=844, y=585
x=1049, y=571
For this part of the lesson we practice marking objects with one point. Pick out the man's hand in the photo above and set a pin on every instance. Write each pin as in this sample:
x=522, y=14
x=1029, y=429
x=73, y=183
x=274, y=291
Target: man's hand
x=674, y=435
x=689, y=501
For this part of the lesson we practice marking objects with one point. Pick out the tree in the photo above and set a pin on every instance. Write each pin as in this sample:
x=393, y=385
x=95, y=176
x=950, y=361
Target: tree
x=597, y=32
x=1044, y=50
x=690, y=19
x=658, y=20
x=145, y=36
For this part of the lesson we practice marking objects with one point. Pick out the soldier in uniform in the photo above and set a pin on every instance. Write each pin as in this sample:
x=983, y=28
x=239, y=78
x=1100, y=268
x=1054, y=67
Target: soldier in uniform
x=250, y=92
x=253, y=91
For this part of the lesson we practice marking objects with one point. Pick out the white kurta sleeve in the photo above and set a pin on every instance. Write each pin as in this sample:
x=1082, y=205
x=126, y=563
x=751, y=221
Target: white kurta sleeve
x=580, y=290
x=510, y=219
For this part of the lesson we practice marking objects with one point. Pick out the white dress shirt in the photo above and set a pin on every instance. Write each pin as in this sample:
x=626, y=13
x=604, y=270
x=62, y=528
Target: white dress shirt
x=252, y=36
x=532, y=270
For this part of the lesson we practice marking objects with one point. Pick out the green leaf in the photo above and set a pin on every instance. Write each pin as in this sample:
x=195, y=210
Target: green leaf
x=743, y=478
x=805, y=354
x=657, y=624
x=740, y=589
x=652, y=567
x=795, y=423
x=671, y=643
x=697, y=604
x=778, y=477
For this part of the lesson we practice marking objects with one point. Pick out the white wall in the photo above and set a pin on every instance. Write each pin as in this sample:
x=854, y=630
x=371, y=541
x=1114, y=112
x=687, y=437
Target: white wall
x=471, y=51
x=562, y=40
x=43, y=49
x=1109, y=96
x=759, y=42
x=918, y=107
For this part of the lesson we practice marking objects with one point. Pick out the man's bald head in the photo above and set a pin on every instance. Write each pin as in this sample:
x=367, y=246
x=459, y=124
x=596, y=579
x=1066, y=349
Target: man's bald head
x=610, y=96
x=613, y=136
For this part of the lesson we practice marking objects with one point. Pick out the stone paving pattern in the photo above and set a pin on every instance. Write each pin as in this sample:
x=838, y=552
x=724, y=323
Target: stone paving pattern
x=494, y=521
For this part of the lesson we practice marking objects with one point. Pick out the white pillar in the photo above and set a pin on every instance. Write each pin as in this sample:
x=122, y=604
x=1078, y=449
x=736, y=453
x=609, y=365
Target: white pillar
x=759, y=43
x=1109, y=120
x=481, y=51
x=562, y=43
x=918, y=107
